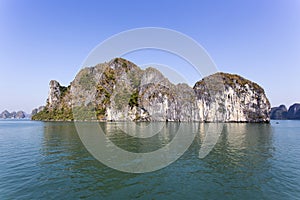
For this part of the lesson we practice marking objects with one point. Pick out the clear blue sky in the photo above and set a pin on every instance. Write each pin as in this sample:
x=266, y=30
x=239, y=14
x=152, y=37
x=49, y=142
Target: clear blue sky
x=45, y=40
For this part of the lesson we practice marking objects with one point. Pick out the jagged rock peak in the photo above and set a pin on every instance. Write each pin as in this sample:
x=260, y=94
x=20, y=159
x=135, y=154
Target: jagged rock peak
x=54, y=94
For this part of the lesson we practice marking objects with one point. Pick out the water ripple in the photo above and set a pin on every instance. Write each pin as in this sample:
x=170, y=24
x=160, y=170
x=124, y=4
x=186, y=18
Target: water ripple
x=250, y=161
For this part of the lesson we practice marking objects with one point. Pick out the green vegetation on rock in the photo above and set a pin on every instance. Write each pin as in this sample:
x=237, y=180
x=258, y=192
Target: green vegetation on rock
x=54, y=115
x=86, y=80
x=133, y=101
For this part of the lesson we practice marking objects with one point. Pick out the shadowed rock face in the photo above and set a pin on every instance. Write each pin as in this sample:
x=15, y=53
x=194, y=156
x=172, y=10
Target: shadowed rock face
x=5, y=114
x=279, y=112
x=20, y=115
x=37, y=110
x=121, y=91
x=294, y=111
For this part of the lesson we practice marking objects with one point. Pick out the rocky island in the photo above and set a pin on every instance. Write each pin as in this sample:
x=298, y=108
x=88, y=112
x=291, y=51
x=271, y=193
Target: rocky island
x=13, y=115
x=282, y=113
x=120, y=91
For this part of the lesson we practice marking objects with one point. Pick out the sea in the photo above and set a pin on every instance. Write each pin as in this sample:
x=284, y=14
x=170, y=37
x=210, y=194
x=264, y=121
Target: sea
x=49, y=160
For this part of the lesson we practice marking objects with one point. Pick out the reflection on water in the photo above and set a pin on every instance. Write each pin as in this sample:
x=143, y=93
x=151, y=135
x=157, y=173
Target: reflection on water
x=249, y=161
x=141, y=158
x=241, y=160
x=127, y=136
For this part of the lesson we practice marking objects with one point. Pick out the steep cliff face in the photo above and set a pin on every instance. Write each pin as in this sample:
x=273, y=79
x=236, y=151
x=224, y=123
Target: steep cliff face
x=231, y=98
x=121, y=91
x=160, y=100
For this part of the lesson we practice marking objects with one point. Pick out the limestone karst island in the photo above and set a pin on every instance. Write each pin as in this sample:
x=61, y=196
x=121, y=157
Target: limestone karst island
x=120, y=91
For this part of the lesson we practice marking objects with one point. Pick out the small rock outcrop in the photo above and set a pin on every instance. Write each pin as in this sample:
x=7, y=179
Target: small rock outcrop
x=37, y=110
x=121, y=91
x=5, y=114
x=20, y=115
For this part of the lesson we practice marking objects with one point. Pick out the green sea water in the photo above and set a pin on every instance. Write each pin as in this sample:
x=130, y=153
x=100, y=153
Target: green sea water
x=46, y=160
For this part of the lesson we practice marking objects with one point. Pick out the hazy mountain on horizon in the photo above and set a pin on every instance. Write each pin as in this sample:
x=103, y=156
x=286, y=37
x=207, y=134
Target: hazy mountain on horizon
x=14, y=115
x=282, y=113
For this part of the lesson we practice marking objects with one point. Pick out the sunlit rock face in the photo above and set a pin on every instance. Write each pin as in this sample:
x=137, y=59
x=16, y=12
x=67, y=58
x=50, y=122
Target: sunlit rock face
x=121, y=91
x=54, y=94
x=231, y=98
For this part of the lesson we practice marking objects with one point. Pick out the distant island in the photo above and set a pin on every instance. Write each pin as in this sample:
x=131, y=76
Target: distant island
x=121, y=91
x=282, y=113
x=14, y=115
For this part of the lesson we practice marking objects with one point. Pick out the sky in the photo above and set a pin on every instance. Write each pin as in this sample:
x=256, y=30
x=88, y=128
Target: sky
x=45, y=40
